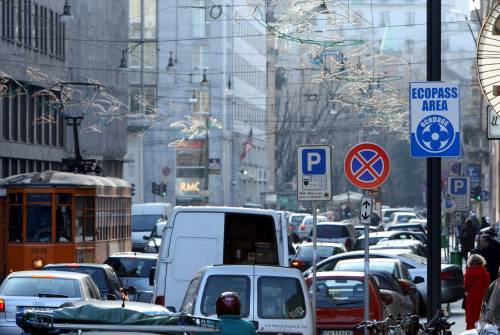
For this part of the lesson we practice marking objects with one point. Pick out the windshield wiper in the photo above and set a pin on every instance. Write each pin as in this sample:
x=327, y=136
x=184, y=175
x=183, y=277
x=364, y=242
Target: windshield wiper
x=343, y=303
x=52, y=295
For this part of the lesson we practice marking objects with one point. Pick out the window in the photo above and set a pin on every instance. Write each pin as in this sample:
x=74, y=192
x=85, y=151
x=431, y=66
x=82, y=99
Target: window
x=39, y=217
x=410, y=18
x=41, y=287
x=280, y=298
x=36, y=26
x=39, y=102
x=31, y=118
x=131, y=266
x=84, y=219
x=348, y=292
x=190, y=297
x=15, y=116
x=217, y=284
x=5, y=98
x=384, y=18
x=134, y=29
x=51, y=32
x=15, y=222
x=27, y=23
x=150, y=19
x=22, y=115
x=198, y=13
x=19, y=23
x=63, y=218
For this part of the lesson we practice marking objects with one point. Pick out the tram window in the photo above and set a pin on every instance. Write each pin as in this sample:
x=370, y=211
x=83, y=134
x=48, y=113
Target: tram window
x=63, y=223
x=15, y=223
x=16, y=198
x=64, y=198
x=89, y=228
x=79, y=225
x=39, y=223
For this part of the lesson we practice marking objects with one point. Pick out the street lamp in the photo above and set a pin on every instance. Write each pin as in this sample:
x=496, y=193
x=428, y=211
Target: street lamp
x=193, y=98
x=204, y=79
x=229, y=87
x=171, y=65
x=66, y=16
x=321, y=8
x=123, y=60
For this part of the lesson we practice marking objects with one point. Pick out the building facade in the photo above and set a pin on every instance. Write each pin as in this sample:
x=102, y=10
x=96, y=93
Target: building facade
x=39, y=52
x=208, y=145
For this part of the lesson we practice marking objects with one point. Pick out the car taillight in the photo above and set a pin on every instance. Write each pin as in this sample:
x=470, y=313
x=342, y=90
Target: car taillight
x=302, y=227
x=347, y=244
x=2, y=305
x=160, y=300
x=296, y=264
x=447, y=276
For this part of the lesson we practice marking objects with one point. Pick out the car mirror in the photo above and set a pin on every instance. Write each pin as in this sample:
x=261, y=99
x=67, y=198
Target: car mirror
x=407, y=286
x=130, y=290
x=152, y=272
x=418, y=280
x=145, y=238
x=386, y=298
x=171, y=308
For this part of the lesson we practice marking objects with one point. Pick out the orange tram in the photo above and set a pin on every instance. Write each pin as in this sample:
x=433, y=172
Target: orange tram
x=53, y=217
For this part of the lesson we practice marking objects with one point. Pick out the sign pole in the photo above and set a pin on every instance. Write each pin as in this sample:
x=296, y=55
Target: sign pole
x=433, y=168
x=366, y=215
x=314, y=237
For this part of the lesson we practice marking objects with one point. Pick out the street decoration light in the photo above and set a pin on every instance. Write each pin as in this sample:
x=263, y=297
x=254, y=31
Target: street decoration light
x=66, y=16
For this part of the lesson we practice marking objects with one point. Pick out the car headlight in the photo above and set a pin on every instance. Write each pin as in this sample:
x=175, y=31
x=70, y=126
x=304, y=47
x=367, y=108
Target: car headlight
x=37, y=263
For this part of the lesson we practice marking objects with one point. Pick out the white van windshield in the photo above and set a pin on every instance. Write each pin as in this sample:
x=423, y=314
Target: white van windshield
x=218, y=284
x=144, y=222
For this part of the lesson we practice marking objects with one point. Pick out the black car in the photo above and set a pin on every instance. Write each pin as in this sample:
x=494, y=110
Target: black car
x=304, y=256
x=110, y=286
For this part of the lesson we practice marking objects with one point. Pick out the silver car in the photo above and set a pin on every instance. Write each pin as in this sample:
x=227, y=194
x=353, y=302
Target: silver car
x=41, y=290
x=305, y=228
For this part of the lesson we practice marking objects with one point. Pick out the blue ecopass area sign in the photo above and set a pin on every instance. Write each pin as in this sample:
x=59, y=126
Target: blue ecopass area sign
x=434, y=119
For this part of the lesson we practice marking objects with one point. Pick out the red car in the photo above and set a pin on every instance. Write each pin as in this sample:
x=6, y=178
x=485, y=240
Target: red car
x=339, y=302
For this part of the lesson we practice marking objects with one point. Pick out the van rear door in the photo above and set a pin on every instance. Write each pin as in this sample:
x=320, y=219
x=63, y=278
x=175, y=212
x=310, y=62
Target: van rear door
x=194, y=242
x=282, y=301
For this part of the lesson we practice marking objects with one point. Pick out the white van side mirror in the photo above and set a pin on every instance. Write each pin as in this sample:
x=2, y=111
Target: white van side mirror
x=152, y=276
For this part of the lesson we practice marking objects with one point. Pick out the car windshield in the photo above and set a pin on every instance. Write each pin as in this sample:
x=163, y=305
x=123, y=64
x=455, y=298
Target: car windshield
x=405, y=218
x=96, y=274
x=415, y=258
x=42, y=287
x=309, y=220
x=360, y=266
x=216, y=284
x=144, y=222
x=360, y=243
x=131, y=266
x=297, y=219
x=306, y=252
x=331, y=231
x=416, y=228
x=331, y=293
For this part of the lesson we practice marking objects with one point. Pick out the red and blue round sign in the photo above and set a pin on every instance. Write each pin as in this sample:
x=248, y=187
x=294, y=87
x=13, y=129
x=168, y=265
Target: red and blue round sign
x=367, y=166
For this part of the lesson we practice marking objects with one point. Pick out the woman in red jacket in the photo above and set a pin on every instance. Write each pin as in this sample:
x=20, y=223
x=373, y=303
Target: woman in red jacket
x=476, y=282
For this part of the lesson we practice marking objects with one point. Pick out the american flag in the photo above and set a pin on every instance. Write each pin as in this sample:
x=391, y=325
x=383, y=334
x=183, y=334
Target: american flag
x=247, y=145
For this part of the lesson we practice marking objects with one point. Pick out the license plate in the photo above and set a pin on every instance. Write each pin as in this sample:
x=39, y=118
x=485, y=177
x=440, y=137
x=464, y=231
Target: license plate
x=21, y=309
x=336, y=332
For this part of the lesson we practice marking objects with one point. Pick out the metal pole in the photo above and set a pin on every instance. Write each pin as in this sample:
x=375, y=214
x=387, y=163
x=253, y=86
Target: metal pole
x=314, y=231
x=433, y=168
x=367, y=270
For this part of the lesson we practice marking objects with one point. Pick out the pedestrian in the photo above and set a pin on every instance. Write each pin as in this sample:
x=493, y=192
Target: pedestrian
x=490, y=253
x=228, y=308
x=476, y=282
x=466, y=238
x=484, y=223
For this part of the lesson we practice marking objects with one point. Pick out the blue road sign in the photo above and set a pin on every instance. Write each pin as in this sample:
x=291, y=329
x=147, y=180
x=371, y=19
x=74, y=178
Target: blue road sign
x=474, y=172
x=313, y=161
x=485, y=196
x=459, y=190
x=313, y=173
x=434, y=119
x=458, y=185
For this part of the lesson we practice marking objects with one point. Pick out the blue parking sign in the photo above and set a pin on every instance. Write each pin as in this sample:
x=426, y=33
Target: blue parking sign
x=434, y=119
x=314, y=161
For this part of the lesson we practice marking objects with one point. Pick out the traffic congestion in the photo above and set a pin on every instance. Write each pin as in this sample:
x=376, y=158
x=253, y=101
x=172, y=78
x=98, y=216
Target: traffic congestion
x=241, y=250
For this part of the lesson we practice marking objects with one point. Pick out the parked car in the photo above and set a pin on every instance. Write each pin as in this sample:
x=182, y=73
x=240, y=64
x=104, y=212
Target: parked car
x=452, y=279
x=154, y=238
x=377, y=237
x=413, y=227
x=103, y=275
x=391, y=266
x=200, y=236
x=144, y=217
x=387, y=212
x=361, y=229
x=274, y=298
x=400, y=291
x=303, y=258
x=413, y=246
x=295, y=220
x=41, y=290
x=343, y=233
x=489, y=318
x=133, y=268
x=398, y=218
x=339, y=301
x=306, y=226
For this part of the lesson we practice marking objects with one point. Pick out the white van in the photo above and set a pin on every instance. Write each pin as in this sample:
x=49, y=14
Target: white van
x=274, y=298
x=199, y=236
x=144, y=217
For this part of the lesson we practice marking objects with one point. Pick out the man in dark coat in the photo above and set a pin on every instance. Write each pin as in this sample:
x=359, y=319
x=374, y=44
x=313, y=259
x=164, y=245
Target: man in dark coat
x=491, y=254
x=467, y=236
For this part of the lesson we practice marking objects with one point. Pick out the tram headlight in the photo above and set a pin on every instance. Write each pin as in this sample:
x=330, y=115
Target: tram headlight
x=37, y=263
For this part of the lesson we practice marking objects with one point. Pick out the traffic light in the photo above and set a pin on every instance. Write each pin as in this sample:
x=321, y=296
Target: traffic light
x=163, y=190
x=475, y=193
x=132, y=189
